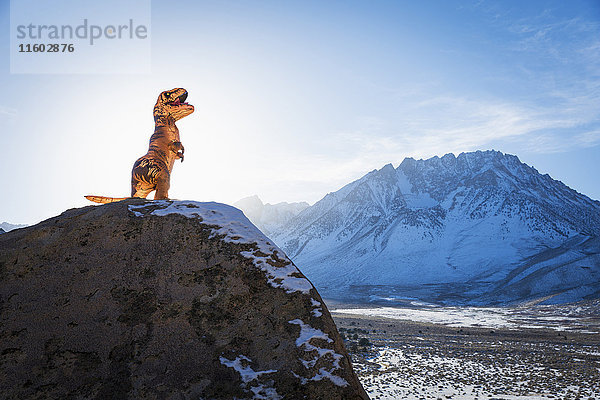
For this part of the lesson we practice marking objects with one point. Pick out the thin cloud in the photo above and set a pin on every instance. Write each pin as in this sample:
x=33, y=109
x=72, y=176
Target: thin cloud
x=589, y=139
x=8, y=112
x=458, y=124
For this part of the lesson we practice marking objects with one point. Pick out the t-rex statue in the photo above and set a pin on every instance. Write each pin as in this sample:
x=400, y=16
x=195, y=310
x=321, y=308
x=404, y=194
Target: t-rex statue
x=153, y=170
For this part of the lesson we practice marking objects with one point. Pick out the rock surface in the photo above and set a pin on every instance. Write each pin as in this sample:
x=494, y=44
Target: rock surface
x=162, y=299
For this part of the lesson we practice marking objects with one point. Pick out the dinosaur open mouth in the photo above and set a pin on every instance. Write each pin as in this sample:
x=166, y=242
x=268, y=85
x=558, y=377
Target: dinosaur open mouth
x=180, y=100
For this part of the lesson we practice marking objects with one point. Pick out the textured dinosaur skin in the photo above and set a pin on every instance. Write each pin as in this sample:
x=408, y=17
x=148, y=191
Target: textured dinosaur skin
x=153, y=170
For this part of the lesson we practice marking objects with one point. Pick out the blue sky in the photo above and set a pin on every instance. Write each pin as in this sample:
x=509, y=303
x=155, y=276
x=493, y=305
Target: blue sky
x=294, y=99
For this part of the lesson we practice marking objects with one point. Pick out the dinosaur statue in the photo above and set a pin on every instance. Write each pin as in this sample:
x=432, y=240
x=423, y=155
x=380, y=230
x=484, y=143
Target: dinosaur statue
x=153, y=170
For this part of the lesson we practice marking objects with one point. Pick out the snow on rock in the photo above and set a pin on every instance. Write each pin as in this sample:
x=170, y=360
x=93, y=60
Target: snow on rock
x=260, y=390
x=242, y=365
x=232, y=224
x=308, y=333
x=318, y=308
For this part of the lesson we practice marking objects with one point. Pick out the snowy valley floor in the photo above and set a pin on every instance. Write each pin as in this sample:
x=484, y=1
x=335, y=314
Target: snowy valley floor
x=487, y=353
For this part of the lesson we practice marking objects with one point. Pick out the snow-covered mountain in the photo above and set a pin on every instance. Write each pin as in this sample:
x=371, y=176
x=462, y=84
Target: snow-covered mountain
x=7, y=227
x=480, y=228
x=268, y=217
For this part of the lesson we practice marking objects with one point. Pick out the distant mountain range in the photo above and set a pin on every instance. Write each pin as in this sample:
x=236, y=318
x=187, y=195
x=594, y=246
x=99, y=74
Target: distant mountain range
x=6, y=227
x=481, y=228
x=268, y=217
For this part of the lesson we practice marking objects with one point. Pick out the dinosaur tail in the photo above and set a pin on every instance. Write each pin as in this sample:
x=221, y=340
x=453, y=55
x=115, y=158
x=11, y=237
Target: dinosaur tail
x=104, y=199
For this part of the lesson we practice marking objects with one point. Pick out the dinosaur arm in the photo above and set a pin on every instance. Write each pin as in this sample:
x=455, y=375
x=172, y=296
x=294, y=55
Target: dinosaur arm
x=177, y=147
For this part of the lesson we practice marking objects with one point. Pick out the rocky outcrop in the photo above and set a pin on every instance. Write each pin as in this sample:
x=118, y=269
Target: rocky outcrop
x=162, y=299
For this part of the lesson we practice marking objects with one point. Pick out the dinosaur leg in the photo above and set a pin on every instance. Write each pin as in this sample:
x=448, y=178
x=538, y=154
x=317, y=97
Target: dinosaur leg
x=142, y=193
x=143, y=177
x=139, y=187
x=163, y=183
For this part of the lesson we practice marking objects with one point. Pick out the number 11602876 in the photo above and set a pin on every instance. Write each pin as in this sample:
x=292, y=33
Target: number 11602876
x=46, y=48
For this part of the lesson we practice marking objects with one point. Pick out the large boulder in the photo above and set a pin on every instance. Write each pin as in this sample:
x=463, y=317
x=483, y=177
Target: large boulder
x=162, y=300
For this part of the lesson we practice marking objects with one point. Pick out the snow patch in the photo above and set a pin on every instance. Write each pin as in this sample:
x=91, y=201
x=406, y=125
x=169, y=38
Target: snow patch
x=414, y=200
x=450, y=316
x=558, y=319
x=317, y=310
x=246, y=373
x=307, y=333
x=265, y=393
x=241, y=365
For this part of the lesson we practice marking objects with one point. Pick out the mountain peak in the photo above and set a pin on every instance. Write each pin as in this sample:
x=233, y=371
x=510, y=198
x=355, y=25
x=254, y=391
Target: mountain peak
x=253, y=200
x=7, y=227
x=268, y=216
x=473, y=217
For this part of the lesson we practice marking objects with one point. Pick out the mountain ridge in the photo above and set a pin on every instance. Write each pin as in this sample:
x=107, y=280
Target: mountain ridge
x=269, y=216
x=466, y=220
x=7, y=226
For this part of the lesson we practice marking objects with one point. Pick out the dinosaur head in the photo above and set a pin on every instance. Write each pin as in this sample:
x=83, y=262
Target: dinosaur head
x=171, y=103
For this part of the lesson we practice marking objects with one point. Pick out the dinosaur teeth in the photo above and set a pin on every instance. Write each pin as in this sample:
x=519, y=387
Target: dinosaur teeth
x=178, y=103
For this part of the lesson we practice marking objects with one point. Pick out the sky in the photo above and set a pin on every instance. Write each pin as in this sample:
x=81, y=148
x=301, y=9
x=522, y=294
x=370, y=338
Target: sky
x=295, y=99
